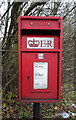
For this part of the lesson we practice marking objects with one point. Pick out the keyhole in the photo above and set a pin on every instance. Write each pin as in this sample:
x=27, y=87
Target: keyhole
x=27, y=77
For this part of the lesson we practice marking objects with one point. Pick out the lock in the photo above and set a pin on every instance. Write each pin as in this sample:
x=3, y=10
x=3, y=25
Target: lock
x=28, y=77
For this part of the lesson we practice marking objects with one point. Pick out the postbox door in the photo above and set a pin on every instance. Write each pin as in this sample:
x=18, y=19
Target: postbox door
x=36, y=81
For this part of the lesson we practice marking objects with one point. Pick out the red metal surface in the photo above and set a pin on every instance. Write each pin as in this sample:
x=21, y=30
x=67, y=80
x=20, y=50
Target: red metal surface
x=27, y=84
x=39, y=27
x=24, y=45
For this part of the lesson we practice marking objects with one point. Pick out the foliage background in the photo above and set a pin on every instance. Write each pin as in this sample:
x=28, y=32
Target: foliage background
x=9, y=38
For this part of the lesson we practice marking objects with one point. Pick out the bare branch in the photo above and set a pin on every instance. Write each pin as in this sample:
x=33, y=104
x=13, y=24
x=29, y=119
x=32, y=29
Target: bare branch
x=10, y=80
x=7, y=11
x=33, y=5
x=69, y=12
x=6, y=25
x=14, y=16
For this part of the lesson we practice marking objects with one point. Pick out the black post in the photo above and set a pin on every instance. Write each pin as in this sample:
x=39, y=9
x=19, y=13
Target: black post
x=36, y=111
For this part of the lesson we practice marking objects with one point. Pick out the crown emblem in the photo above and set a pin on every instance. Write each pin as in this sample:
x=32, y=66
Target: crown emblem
x=33, y=43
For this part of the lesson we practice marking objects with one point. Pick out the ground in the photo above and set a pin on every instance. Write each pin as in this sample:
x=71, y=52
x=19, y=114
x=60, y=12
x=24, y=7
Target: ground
x=12, y=108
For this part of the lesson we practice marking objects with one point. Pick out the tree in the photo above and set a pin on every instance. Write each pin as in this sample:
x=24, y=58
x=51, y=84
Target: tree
x=9, y=20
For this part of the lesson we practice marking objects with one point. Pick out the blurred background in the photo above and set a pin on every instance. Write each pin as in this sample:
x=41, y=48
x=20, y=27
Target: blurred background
x=9, y=38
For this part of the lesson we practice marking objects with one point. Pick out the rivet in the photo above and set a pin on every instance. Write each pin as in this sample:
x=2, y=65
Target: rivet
x=48, y=23
x=31, y=23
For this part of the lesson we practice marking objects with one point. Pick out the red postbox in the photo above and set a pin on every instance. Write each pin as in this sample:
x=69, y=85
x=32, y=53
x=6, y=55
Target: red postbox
x=39, y=58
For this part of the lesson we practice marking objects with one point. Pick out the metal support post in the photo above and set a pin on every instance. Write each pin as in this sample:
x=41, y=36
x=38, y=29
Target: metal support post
x=36, y=111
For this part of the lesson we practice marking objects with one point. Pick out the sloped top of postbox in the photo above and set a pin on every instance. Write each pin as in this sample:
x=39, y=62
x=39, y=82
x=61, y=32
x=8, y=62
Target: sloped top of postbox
x=40, y=22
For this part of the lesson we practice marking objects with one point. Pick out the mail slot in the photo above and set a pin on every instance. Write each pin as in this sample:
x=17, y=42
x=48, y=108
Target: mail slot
x=39, y=58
